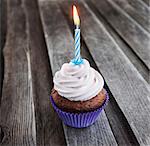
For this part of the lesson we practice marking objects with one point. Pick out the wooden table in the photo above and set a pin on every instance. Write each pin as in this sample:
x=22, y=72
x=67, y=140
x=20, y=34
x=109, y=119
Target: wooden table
x=38, y=39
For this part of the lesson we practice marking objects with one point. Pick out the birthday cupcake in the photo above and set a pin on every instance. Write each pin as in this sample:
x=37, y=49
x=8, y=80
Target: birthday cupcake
x=78, y=95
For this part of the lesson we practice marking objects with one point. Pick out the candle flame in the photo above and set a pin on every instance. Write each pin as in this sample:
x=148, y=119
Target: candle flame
x=76, y=16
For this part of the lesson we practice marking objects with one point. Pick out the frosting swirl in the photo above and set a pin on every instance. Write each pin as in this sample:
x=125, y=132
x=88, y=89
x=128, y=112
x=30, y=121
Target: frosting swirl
x=78, y=82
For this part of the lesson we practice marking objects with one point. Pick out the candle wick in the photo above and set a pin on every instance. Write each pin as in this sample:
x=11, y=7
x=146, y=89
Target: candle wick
x=77, y=26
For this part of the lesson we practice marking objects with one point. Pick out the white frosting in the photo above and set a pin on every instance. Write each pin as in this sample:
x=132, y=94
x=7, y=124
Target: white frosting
x=78, y=82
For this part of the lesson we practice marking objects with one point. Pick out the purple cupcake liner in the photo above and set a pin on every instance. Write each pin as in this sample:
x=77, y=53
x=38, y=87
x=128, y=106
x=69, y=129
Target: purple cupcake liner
x=79, y=120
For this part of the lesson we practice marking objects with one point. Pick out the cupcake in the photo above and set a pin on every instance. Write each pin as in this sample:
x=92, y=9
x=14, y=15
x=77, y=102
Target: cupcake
x=78, y=95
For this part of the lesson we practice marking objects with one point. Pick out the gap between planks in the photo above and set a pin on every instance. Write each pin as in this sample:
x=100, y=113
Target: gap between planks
x=128, y=71
x=127, y=27
x=101, y=132
x=120, y=78
x=2, y=41
x=121, y=130
x=147, y=2
x=32, y=122
x=17, y=100
x=137, y=10
x=42, y=80
x=136, y=61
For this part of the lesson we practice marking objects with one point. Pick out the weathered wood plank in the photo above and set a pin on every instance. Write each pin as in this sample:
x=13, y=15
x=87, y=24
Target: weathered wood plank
x=136, y=61
x=136, y=37
x=3, y=18
x=47, y=133
x=2, y=40
x=60, y=46
x=126, y=84
x=17, y=108
x=118, y=122
x=1, y=63
x=137, y=10
x=146, y=2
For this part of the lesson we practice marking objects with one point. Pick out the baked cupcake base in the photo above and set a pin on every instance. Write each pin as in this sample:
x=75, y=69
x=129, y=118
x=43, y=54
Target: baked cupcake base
x=78, y=106
x=79, y=120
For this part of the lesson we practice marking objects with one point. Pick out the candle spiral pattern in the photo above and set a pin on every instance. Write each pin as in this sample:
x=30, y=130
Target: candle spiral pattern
x=77, y=45
x=78, y=82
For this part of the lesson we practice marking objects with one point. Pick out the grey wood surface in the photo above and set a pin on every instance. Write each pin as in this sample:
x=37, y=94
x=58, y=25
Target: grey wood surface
x=17, y=108
x=127, y=28
x=39, y=40
x=1, y=70
x=147, y=2
x=136, y=61
x=60, y=47
x=2, y=39
x=117, y=121
x=26, y=117
x=49, y=130
x=3, y=19
x=137, y=10
x=126, y=84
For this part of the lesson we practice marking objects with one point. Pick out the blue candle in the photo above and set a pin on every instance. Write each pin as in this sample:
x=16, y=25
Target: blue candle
x=77, y=44
x=77, y=60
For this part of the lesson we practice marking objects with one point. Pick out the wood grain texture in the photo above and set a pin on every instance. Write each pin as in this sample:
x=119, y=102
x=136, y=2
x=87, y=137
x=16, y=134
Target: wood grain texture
x=137, y=10
x=1, y=68
x=2, y=40
x=26, y=115
x=17, y=108
x=3, y=19
x=126, y=84
x=136, y=61
x=117, y=120
x=60, y=47
x=49, y=130
x=147, y=2
x=136, y=37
